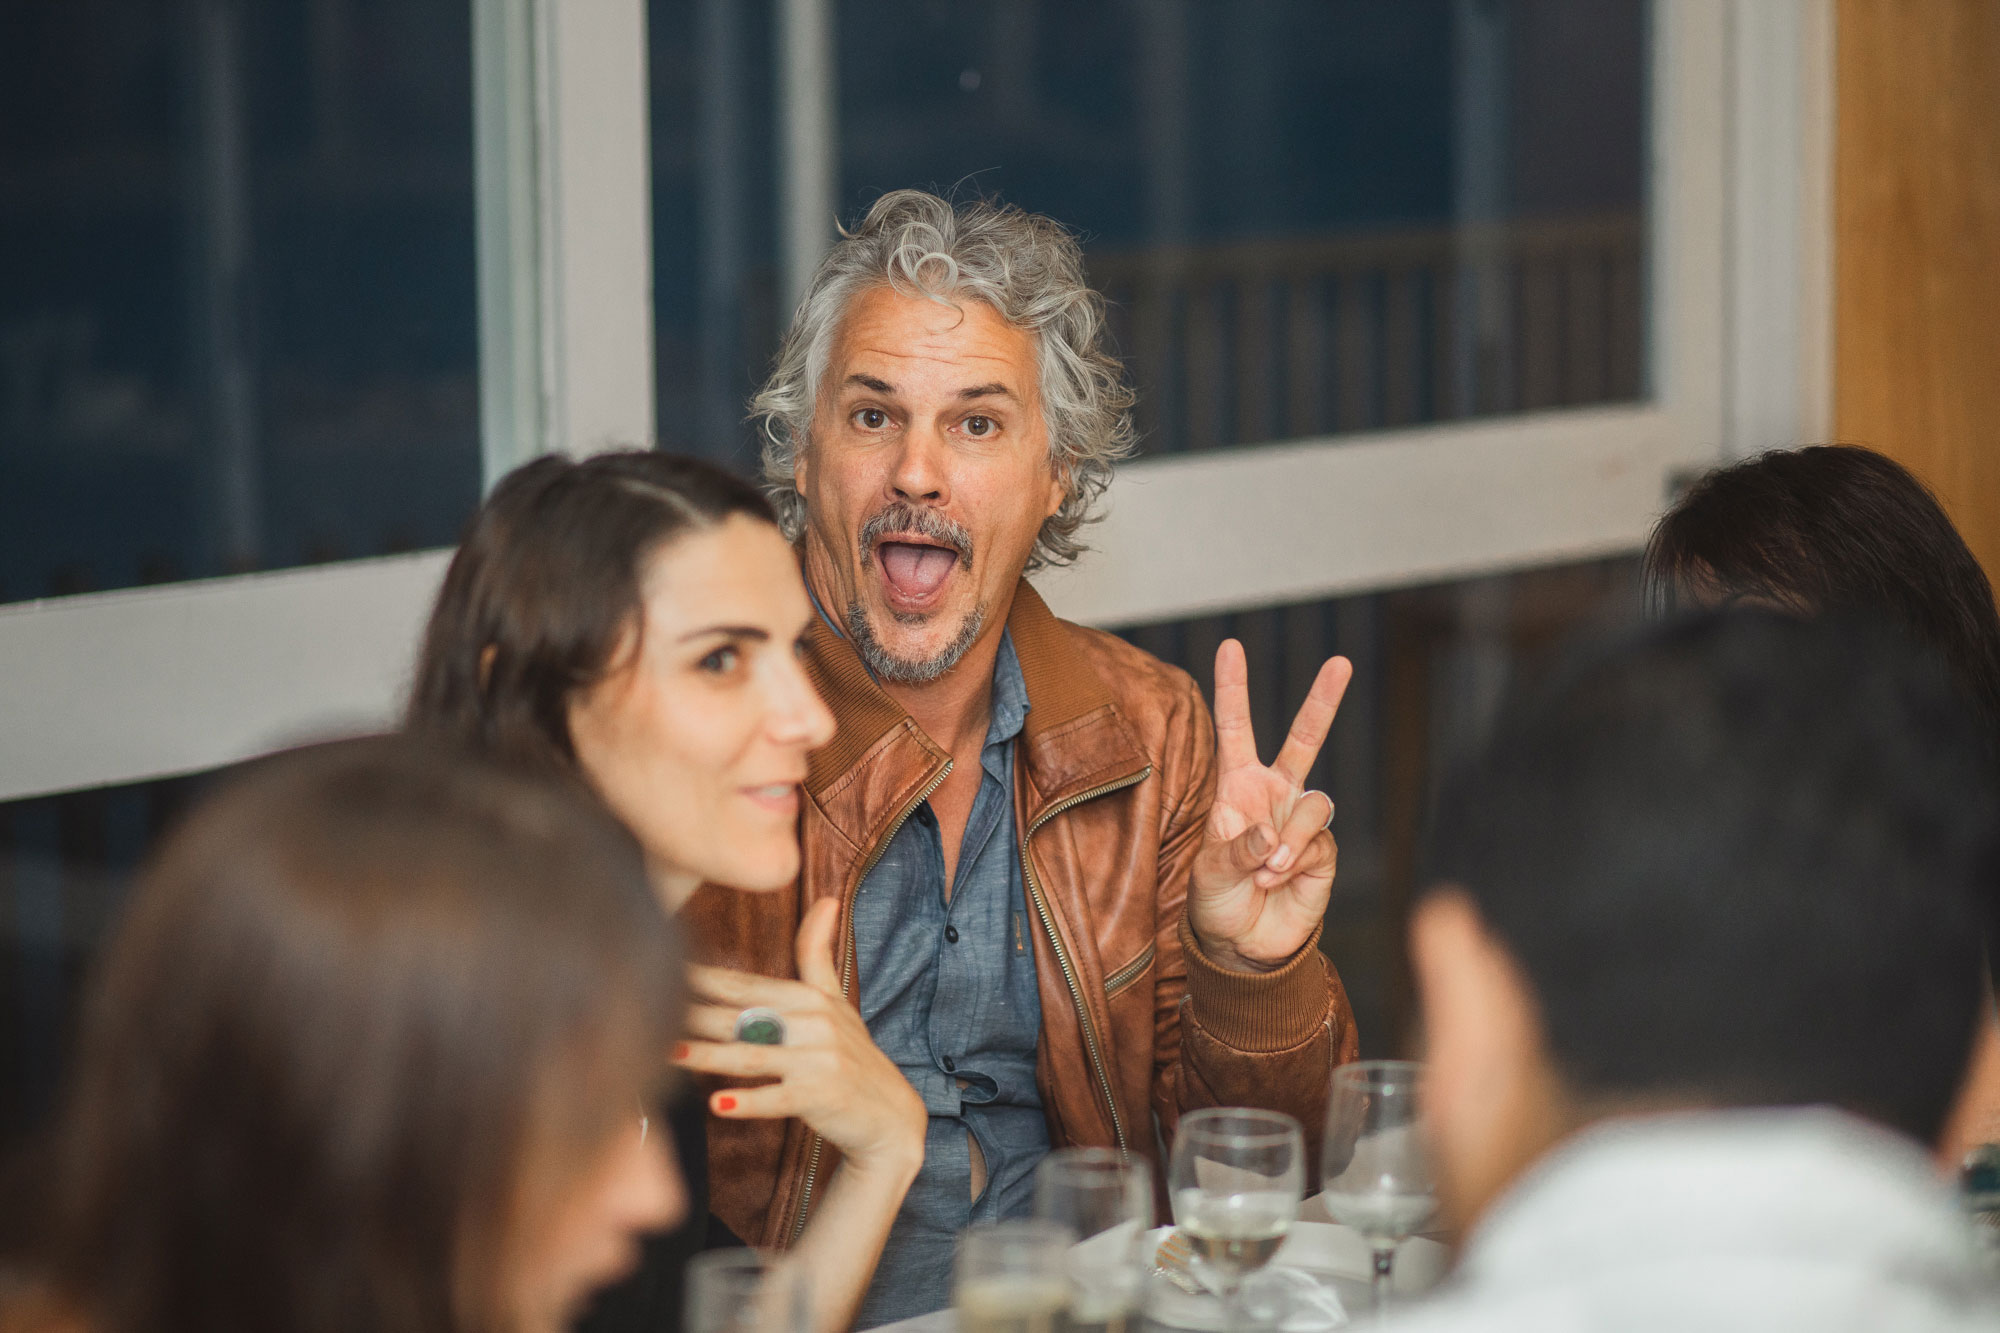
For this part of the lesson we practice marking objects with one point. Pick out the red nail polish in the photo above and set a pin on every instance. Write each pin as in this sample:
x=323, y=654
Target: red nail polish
x=725, y=1103
x=680, y=1050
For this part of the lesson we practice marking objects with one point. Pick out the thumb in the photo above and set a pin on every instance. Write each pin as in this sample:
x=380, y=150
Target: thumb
x=1241, y=856
x=817, y=933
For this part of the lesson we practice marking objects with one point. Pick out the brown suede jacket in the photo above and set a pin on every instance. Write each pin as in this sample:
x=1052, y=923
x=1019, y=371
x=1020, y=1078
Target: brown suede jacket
x=1113, y=777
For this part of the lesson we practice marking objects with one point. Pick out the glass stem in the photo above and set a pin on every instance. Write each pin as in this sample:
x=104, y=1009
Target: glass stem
x=1378, y=1284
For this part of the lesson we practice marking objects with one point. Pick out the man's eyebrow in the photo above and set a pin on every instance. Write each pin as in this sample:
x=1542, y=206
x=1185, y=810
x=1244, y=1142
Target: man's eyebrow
x=993, y=390
x=728, y=632
x=870, y=382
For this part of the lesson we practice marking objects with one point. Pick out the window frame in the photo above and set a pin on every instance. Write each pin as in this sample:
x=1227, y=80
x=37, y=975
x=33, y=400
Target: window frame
x=124, y=686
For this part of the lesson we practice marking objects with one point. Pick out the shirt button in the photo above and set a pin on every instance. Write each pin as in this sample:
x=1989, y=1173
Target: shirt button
x=951, y=934
x=949, y=1064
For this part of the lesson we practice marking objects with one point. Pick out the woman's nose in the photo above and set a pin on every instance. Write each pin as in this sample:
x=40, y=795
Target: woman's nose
x=801, y=717
x=658, y=1197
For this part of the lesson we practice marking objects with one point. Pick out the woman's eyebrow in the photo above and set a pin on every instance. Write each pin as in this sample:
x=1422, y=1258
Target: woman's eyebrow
x=727, y=631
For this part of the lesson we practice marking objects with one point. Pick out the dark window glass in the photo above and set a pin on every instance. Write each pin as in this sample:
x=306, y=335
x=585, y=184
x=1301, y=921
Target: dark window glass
x=715, y=315
x=239, y=329
x=1311, y=217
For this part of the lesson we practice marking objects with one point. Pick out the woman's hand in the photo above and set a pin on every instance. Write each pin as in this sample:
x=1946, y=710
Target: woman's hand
x=829, y=1071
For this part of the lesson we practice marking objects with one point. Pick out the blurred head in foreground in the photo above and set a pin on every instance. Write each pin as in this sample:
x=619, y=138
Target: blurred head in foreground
x=1833, y=528
x=635, y=618
x=350, y=1063
x=1738, y=860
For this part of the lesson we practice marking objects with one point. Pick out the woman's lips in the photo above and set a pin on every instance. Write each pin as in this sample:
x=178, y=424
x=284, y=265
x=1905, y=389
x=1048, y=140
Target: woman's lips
x=780, y=798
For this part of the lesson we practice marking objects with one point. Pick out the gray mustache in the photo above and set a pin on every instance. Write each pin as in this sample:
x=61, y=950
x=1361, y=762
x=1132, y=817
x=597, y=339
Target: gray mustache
x=926, y=523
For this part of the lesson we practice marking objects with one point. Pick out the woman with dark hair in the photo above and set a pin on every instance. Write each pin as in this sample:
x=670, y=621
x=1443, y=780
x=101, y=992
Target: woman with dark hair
x=347, y=1064
x=635, y=619
x=1839, y=528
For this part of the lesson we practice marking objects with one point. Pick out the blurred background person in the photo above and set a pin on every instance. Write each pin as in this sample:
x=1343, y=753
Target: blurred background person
x=1837, y=528
x=635, y=619
x=1698, y=973
x=350, y=1063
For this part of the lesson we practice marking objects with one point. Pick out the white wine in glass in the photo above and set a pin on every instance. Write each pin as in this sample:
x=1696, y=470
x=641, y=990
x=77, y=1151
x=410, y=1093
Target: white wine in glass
x=1377, y=1170
x=1235, y=1181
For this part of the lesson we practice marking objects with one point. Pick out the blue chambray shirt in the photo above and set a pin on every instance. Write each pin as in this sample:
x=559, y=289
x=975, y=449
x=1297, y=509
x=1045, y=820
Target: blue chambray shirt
x=948, y=992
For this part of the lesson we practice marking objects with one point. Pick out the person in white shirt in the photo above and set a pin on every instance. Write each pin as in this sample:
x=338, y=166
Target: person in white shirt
x=1699, y=973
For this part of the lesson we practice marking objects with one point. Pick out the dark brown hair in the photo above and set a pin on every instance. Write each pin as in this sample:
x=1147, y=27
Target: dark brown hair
x=1834, y=528
x=545, y=584
x=361, y=1006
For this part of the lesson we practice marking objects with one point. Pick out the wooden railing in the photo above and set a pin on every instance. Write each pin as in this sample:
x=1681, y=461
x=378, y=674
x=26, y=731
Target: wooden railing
x=1278, y=339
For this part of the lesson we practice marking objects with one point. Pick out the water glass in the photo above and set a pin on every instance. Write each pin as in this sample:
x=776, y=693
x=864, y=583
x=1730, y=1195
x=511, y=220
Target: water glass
x=1235, y=1180
x=1011, y=1277
x=1105, y=1197
x=1377, y=1170
x=746, y=1291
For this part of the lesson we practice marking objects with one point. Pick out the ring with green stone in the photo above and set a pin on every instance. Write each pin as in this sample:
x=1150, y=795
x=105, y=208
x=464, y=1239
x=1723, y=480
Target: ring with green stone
x=760, y=1027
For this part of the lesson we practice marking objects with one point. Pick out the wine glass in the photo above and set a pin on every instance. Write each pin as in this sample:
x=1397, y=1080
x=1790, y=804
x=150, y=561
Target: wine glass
x=746, y=1291
x=1377, y=1171
x=1010, y=1277
x=1106, y=1198
x=1235, y=1181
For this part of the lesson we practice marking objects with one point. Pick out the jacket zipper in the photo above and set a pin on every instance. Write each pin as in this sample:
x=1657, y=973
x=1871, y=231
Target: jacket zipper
x=846, y=978
x=1062, y=951
x=1123, y=977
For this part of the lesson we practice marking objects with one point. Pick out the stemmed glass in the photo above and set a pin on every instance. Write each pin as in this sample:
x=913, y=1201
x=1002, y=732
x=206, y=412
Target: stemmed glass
x=1377, y=1172
x=1010, y=1277
x=746, y=1291
x=1236, y=1179
x=1106, y=1198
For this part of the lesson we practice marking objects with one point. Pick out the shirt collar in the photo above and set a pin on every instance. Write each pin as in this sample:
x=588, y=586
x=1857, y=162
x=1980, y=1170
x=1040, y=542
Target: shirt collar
x=1010, y=694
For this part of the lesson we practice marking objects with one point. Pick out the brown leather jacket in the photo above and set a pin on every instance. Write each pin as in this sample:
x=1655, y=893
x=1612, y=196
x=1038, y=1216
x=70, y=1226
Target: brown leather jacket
x=1113, y=777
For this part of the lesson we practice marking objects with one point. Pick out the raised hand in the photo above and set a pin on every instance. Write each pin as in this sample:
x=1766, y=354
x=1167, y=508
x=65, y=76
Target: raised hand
x=1265, y=869
x=829, y=1072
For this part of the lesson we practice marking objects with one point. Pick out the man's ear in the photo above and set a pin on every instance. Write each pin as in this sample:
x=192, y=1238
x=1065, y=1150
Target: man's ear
x=1060, y=475
x=1493, y=1099
x=800, y=462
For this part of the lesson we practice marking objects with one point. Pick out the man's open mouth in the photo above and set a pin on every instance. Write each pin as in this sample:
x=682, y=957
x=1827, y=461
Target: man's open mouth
x=914, y=568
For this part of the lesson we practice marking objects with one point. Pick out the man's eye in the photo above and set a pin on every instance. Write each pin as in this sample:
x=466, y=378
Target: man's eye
x=979, y=426
x=871, y=418
x=720, y=661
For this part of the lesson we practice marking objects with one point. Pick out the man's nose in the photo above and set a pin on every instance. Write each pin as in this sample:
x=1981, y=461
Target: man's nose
x=921, y=474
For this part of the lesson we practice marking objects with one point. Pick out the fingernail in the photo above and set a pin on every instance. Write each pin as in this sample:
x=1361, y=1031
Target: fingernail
x=1282, y=859
x=680, y=1050
x=725, y=1103
x=1260, y=840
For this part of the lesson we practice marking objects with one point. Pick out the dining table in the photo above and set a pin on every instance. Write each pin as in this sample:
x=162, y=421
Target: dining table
x=1337, y=1257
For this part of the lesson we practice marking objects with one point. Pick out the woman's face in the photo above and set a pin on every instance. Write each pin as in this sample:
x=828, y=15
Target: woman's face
x=587, y=1232
x=698, y=736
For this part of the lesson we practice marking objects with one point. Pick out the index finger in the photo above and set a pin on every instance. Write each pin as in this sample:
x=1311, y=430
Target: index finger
x=1235, y=741
x=1315, y=718
x=742, y=989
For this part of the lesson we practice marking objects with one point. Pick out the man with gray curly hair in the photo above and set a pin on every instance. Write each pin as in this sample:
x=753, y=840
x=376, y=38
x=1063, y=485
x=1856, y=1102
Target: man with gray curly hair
x=1074, y=905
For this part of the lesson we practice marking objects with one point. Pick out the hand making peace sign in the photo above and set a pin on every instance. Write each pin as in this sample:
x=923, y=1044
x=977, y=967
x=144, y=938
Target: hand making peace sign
x=1265, y=869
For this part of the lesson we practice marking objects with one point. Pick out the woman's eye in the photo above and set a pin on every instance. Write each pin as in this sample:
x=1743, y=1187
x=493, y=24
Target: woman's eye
x=720, y=661
x=978, y=426
x=871, y=418
x=802, y=647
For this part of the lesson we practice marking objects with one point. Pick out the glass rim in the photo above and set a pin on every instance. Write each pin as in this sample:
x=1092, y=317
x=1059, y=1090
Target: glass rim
x=1380, y=1075
x=1093, y=1160
x=1276, y=1127
x=1020, y=1228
